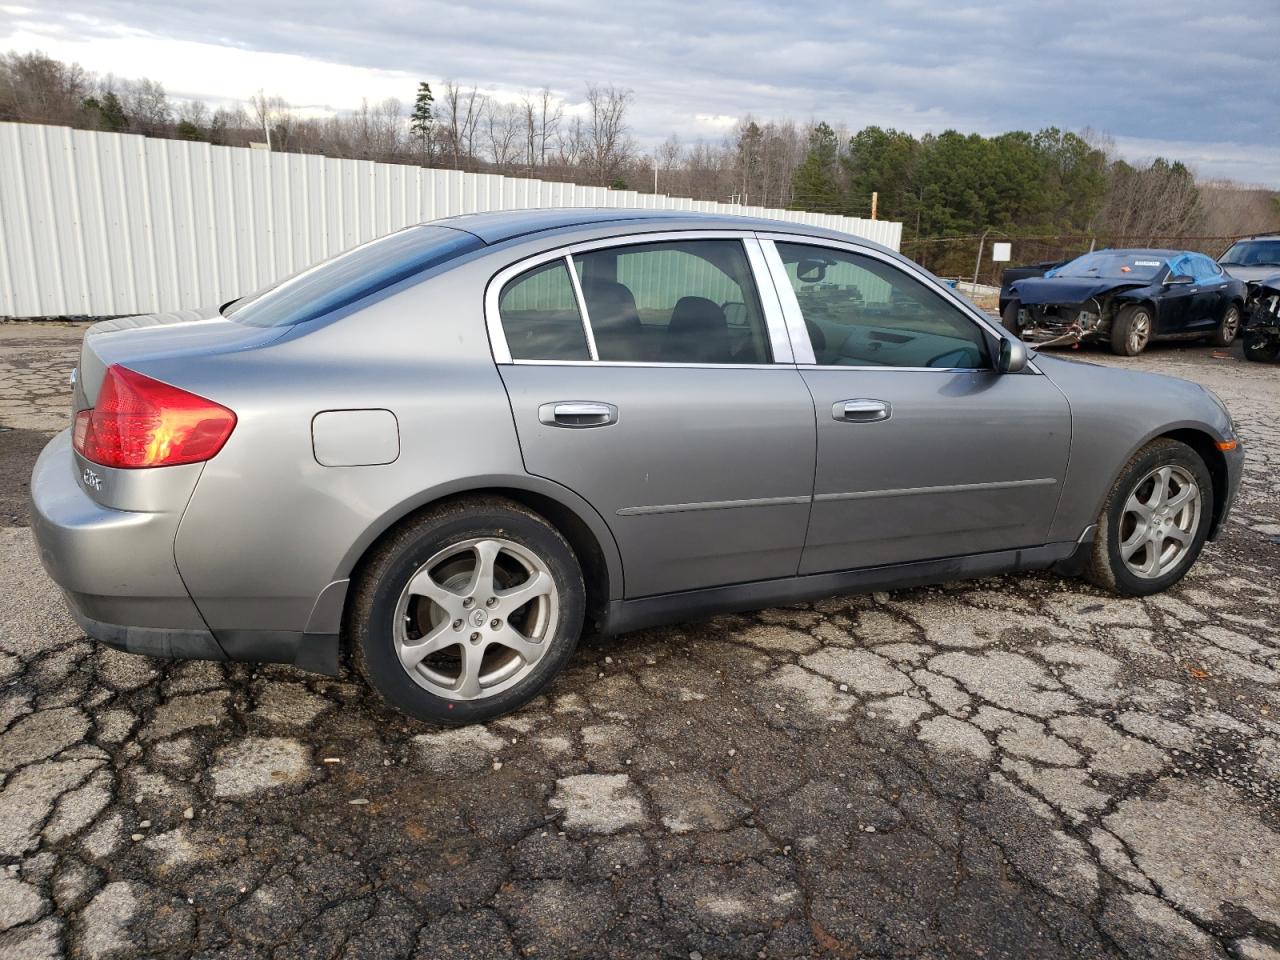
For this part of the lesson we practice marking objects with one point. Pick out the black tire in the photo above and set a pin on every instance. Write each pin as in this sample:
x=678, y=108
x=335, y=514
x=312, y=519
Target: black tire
x=1105, y=567
x=1261, y=347
x=1226, y=333
x=1124, y=340
x=387, y=571
x=1010, y=317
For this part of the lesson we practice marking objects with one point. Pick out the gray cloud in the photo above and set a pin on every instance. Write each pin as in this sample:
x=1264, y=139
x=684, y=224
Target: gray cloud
x=1180, y=73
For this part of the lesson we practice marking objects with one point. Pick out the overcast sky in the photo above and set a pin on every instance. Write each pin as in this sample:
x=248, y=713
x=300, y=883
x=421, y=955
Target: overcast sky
x=1196, y=81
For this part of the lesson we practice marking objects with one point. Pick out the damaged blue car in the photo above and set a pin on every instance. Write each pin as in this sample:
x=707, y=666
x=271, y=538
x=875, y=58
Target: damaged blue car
x=1127, y=298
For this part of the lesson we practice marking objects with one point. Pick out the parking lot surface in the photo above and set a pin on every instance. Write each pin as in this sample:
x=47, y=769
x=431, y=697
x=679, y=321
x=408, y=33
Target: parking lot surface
x=1014, y=767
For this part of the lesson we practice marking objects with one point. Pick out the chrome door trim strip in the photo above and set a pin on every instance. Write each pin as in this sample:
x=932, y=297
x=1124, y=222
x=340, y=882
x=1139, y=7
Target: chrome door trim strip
x=801, y=345
x=944, y=488
x=649, y=511
x=774, y=319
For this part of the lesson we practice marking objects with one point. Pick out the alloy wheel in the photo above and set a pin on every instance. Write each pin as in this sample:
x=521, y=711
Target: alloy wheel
x=1230, y=324
x=1139, y=332
x=476, y=618
x=1159, y=522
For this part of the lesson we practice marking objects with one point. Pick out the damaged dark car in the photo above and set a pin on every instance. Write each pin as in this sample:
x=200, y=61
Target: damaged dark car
x=1127, y=298
x=1262, y=326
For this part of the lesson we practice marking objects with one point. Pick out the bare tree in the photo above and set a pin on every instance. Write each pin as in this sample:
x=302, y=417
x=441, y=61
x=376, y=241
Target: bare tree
x=37, y=88
x=542, y=116
x=571, y=144
x=147, y=106
x=609, y=145
x=503, y=128
x=274, y=118
x=463, y=111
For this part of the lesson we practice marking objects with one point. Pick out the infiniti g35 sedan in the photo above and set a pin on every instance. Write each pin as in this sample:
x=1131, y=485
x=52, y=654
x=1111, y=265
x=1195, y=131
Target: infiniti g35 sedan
x=446, y=453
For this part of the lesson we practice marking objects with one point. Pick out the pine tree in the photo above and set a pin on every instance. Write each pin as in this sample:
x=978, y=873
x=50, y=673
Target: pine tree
x=421, y=120
x=815, y=185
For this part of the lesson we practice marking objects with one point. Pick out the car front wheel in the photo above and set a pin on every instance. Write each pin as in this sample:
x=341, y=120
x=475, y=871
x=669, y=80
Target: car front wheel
x=1131, y=330
x=467, y=612
x=1261, y=348
x=1154, y=522
x=1225, y=335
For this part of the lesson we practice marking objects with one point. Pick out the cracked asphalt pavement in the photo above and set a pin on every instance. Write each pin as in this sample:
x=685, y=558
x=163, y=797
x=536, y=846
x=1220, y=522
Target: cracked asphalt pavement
x=1013, y=767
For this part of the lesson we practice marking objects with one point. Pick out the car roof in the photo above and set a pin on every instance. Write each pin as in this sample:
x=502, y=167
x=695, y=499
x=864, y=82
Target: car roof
x=1142, y=252
x=502, y=225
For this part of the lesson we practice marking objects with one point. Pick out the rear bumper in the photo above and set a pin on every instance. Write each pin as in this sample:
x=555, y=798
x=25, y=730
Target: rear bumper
x=117, y=571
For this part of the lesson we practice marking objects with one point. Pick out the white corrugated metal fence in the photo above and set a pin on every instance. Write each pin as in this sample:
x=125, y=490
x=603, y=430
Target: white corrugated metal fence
x=96, y=224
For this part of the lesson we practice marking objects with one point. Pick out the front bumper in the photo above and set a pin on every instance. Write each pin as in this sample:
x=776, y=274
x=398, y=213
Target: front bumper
x=1235, y=470
x=116, y=569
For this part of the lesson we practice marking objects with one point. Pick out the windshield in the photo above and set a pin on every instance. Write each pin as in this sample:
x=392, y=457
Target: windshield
x=353, y=275
x=1253, y=253
x=1108, y=263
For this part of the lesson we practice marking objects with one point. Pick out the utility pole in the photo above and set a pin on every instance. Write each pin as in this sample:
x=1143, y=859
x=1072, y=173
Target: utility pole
x=875, y=199
x=977, y=266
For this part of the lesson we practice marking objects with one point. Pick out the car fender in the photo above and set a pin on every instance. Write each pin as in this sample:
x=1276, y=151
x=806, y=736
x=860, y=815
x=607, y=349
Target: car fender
x=1114, y=414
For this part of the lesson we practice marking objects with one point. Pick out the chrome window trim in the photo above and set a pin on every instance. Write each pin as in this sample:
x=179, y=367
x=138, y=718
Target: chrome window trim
x=795, y=318
x=780, y=344
x=779, y=340
x=654, y=363
x=582, y=308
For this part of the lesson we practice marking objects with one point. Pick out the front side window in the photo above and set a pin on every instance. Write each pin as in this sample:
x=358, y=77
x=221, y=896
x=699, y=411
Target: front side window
x=688, y=301
x=863, y=312
x=540, y=317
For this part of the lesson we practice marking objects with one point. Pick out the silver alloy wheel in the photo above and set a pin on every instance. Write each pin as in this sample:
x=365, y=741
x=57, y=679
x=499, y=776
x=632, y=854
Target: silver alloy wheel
x=1159, y=522
x=476, y=618
x=1230, y=324
x=1139, y=331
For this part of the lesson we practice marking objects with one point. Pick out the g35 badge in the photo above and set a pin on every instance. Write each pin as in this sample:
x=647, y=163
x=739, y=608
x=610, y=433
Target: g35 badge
x=91, y=479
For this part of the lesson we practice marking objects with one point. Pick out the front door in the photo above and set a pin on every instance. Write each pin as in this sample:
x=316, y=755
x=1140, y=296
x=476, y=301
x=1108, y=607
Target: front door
x=664, y=409
x=924, y=450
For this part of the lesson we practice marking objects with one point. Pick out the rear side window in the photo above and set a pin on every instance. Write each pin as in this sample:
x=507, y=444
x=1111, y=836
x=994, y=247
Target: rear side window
x=354, y=275
x=691, y=301
x=540, y=315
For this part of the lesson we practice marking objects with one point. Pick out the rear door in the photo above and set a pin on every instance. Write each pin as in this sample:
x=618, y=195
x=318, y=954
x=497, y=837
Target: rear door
x=924, y=450
x=648, y=375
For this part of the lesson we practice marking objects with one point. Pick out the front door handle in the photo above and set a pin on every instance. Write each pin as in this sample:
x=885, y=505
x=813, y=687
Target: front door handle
x=861, y=411
x=577, y=414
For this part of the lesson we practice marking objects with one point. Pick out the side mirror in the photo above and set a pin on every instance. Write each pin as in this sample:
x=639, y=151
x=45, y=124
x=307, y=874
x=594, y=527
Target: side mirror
x=1180, y=278
x=1013, y=356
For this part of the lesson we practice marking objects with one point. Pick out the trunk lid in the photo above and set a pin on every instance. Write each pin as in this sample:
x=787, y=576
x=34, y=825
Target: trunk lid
x=181, y=333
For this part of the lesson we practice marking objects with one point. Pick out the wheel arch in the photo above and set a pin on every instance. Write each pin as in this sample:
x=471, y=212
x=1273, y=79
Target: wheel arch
x=1202, y=441
x=576, y=520
x=1206, y=447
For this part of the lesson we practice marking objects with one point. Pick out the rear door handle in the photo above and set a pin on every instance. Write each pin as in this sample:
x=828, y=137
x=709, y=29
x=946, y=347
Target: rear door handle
x=577, y=414
x=861, y=411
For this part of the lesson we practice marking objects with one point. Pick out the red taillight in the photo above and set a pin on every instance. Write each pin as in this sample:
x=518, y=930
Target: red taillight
x=141, y=422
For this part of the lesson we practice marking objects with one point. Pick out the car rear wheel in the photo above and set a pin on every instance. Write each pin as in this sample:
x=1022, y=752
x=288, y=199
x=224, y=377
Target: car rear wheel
x=1261, y=348
x=1154, y=522
x=467, y=612
x=1225, y=335
x=1010, y=317
x=1131, y=330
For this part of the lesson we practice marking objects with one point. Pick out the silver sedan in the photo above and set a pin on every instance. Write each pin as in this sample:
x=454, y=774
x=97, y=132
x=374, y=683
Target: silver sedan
x=448, y=452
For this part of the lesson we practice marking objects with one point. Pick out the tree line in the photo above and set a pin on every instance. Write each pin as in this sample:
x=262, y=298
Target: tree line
x=943, y=187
